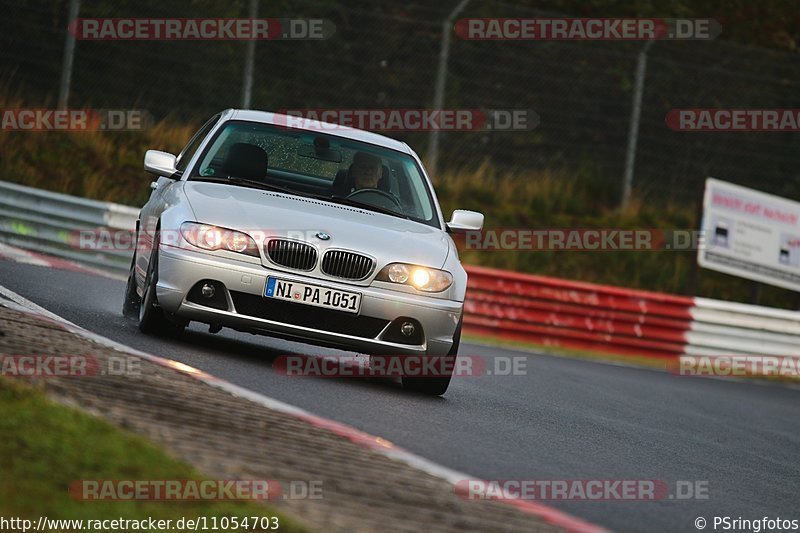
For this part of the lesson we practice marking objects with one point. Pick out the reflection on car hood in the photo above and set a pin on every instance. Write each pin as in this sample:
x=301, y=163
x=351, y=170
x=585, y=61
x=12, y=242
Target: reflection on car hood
x=266, y=213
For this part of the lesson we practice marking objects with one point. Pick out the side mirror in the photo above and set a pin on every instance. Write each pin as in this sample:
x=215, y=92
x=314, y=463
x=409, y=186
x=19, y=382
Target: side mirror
x=463, y=220
x=160, y=163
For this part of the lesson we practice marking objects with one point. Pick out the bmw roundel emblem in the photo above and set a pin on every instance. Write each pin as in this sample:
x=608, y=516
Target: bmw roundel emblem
x=323, y=236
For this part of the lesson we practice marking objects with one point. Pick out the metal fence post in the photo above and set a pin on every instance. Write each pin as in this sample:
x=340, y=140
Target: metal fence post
x=69, y=55
x=441, y=75
x=250, y=55
x=633, y=131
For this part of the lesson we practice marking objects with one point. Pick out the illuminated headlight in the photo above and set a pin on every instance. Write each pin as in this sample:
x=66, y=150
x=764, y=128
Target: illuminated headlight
x=422, y=278
x=215, y=238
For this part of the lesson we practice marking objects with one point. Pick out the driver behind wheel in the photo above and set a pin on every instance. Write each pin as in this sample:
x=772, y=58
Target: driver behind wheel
x=366, y=170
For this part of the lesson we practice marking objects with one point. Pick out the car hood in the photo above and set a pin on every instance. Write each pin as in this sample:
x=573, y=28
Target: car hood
x=264, y=213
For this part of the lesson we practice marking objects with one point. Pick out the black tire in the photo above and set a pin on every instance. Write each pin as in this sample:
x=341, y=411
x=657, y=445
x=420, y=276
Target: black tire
x=151, y=317
x=131, y=301
x=436, y=386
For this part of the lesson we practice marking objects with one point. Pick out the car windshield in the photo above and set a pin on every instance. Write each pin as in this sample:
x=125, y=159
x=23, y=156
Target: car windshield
x=316, y=164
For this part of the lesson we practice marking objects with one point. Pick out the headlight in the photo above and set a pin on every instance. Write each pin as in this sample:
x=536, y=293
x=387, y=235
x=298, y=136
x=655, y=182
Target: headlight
x=215, y=238
x=419, y=277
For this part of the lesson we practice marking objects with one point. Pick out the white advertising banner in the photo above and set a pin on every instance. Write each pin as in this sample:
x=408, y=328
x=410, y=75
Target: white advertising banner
x=750, y=234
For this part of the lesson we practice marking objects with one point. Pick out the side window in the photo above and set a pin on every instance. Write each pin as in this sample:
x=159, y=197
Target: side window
x=189, y=150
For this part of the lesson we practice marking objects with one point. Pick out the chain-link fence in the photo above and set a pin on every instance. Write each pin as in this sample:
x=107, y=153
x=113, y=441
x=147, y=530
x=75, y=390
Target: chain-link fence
x=386, y=56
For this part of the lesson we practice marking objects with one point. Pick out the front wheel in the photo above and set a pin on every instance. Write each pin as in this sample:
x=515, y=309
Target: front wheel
x=151, y=317
x=436, y=386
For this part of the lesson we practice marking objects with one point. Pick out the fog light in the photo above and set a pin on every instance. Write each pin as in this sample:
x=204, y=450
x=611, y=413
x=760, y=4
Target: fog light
x=207, y=290
x=398, y=273
x=407, y=329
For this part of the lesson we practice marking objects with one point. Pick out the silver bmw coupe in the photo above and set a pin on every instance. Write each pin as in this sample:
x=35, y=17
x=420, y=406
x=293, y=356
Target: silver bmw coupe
x=301, y=230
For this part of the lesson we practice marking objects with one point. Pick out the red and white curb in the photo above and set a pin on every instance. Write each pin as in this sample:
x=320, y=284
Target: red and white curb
x=28, y=257
x=379, y=445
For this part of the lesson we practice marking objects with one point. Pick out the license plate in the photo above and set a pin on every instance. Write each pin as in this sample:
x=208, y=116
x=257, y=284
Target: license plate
x=315, y=295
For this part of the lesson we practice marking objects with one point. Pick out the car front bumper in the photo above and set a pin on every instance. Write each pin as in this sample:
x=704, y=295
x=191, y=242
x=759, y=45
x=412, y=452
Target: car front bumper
x=179, y=270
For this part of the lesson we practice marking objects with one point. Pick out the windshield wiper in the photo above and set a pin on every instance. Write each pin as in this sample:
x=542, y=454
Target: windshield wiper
x=260, y=184
x=245, y=182
x=364, y=205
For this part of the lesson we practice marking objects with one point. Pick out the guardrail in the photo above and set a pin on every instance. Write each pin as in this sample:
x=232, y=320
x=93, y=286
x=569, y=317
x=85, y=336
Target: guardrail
x=50, y=223
x=586, y=316
x=509, y=305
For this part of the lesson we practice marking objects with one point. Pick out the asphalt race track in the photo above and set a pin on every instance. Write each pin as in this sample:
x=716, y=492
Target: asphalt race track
x=565, y=419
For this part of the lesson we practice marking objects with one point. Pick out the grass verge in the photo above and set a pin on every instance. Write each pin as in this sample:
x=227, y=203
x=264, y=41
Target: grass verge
x=46, y=446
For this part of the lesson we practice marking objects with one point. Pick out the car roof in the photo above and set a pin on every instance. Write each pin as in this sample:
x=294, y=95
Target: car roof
x=346, y=132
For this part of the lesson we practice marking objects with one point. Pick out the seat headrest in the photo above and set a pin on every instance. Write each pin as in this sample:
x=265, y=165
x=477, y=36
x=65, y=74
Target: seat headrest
x=341, y=183
x=246, y=161
x=383, y=183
